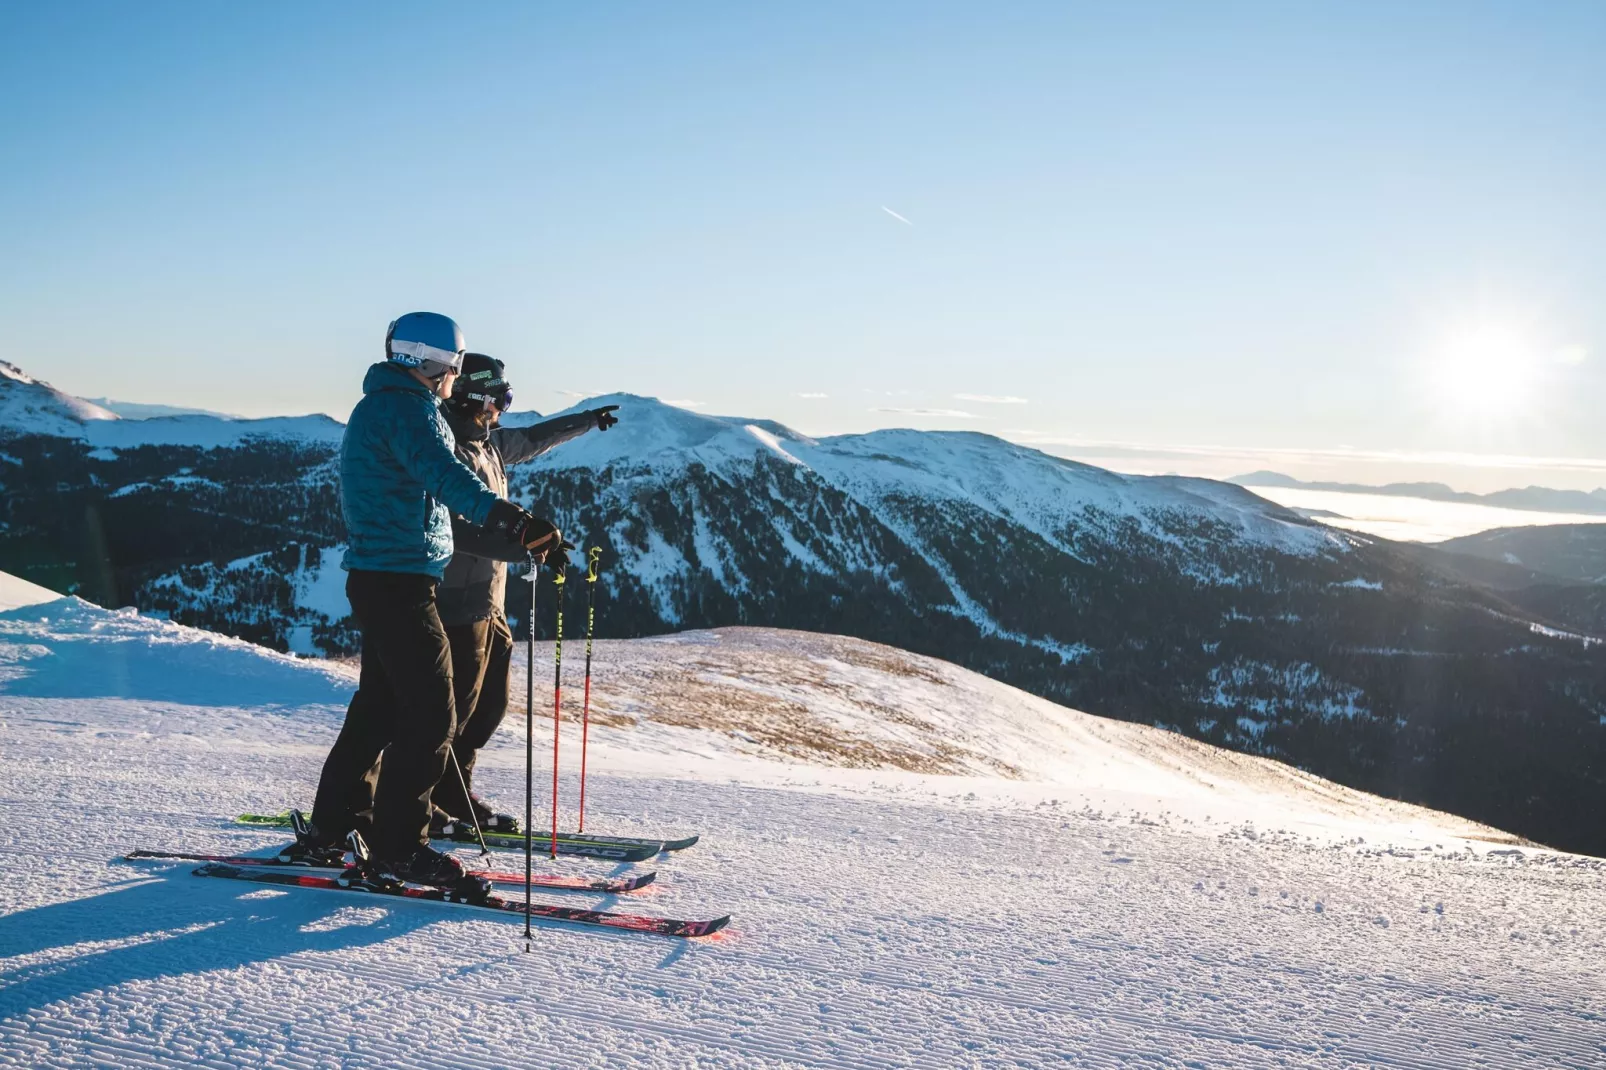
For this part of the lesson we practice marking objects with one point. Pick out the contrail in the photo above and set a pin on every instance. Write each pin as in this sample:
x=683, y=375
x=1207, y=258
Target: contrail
x=896, y=216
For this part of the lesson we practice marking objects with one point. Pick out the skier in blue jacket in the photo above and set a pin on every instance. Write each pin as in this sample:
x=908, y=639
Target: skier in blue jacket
x=400, y=484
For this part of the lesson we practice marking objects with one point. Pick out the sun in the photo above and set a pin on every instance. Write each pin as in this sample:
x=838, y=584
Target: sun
x=1487, y=369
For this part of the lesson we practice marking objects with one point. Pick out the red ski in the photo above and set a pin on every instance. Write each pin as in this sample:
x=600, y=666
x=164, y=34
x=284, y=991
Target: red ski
x=600, y=918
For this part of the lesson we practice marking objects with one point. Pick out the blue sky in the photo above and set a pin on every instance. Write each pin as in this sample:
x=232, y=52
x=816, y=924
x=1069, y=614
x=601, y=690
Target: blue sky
x=1346, y=240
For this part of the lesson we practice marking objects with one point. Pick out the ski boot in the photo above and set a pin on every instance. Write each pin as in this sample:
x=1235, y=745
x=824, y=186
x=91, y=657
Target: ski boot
x=311, y=848
x=425, y=866
x=443, y=826
x=490, y=820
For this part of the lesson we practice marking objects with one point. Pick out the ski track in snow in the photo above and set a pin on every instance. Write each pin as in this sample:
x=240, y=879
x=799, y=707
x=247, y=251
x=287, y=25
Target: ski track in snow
x=882, y=921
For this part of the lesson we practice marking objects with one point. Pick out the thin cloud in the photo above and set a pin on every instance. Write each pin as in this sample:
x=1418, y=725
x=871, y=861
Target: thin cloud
x=953, y=413
x=1303, y=455
x=896, y=216
x=813, y=396
x=991, y=399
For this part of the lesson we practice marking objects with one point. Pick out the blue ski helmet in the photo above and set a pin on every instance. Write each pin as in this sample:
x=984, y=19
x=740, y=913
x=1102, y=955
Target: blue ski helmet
x=427, y=341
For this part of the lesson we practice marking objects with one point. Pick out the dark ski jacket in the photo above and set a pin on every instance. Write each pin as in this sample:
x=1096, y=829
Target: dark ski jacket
x=400, y=479
x=475, y=583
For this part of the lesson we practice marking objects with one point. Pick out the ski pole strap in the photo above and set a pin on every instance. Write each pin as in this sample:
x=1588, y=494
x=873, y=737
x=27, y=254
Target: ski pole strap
x=593, y=561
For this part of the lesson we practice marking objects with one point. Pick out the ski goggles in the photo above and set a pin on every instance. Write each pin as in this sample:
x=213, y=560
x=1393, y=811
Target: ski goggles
x=421, y=354
x=501, y=399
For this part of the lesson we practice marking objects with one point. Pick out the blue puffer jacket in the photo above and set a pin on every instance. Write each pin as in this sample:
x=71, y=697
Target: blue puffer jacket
x=400, y=480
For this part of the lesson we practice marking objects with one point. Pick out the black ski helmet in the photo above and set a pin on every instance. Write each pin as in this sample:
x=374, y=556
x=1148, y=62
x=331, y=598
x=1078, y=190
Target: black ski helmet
x=480, y=383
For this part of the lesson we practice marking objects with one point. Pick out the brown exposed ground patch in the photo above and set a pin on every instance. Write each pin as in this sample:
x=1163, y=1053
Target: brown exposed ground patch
x=772, y=690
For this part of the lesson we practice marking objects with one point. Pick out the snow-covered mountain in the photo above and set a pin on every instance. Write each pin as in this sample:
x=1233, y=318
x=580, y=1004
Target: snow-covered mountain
x=1188, y=604
x=831, y=506
x=924, y=867
x=138, y=410
x=29, y=406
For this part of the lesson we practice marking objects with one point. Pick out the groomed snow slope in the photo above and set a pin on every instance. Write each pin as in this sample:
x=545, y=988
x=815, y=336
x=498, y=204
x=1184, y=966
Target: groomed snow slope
x=16, y=592
x=1125, y=912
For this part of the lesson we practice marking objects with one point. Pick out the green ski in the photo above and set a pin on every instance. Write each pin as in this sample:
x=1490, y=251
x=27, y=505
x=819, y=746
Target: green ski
x=620, y=848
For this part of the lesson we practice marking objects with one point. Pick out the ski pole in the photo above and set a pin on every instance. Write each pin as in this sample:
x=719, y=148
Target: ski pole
x=558, y=581
x=529, y=748
x=593, y=561
x=451, y=752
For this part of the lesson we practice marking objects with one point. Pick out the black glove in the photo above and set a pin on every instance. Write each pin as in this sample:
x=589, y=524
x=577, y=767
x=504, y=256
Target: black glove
x=557, y=558
x=605, y=418
x=506, y=518
x=531, y=532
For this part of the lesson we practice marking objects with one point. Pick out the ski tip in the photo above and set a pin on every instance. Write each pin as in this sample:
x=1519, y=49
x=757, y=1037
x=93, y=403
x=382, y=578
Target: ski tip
x=681, y=845
x=611, y=852
x=709, y=928
x=641, y=880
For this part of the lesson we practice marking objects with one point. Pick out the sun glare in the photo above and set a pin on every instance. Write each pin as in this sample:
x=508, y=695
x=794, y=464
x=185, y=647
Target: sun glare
x=1488, y=369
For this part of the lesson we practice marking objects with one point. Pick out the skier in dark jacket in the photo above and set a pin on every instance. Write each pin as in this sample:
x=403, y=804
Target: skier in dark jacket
x=400, y=481
x=471, y=597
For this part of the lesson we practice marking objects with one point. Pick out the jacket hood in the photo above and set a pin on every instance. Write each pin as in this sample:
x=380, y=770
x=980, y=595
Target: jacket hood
x=388, y=376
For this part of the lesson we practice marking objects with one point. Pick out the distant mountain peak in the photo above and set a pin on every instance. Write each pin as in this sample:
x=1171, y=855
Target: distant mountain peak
x=140, y=410
x=30, y=406
x=1530, y=498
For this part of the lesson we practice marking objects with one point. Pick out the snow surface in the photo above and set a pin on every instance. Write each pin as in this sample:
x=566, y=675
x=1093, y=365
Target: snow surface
x=16, y=592
x=926, y=869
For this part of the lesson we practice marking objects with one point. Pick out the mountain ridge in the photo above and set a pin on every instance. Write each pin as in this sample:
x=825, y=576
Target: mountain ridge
x=1528, y=499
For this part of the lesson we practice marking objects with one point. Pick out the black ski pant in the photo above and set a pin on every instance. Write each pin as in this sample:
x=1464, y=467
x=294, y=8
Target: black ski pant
x=482, y=659
x=403, y=710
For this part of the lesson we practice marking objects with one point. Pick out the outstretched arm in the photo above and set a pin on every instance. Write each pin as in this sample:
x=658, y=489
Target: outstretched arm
x=519, y=444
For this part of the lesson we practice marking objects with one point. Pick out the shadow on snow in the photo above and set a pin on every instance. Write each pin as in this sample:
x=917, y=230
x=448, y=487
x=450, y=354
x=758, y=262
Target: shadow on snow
x=169, y=926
